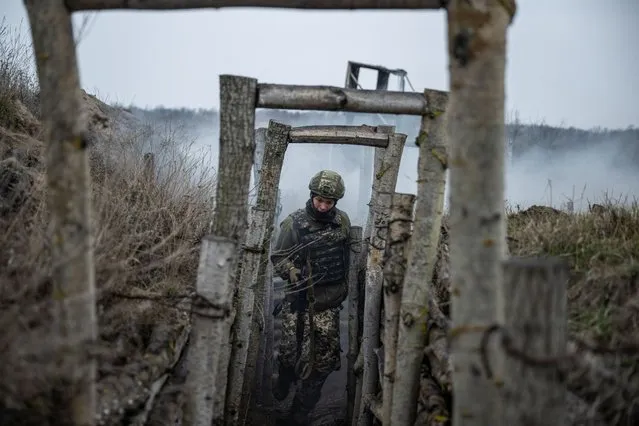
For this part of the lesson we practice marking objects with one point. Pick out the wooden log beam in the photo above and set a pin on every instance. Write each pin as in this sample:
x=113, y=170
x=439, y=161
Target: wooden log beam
x=345, y=135
x=77, y=5
x=68, y=206
x=329, y=98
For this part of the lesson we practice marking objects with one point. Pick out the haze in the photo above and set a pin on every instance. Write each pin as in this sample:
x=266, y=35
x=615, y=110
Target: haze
x=570, y=63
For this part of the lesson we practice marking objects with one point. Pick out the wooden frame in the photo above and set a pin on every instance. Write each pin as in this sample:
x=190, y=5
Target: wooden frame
x=60, y=92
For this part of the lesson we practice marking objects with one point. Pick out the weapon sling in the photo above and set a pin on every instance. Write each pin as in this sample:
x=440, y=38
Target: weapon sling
x=304, y=371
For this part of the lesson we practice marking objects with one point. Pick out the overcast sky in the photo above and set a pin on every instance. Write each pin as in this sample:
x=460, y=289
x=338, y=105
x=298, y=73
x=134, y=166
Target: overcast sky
x=571, y=62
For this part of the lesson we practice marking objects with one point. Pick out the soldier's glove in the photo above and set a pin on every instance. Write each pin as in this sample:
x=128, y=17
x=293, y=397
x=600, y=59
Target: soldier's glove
x=294, y=275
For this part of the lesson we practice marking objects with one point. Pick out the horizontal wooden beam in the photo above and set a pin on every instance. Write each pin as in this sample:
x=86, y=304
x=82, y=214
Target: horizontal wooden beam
x=345, y=135
x=77, y=5
x=330, y=98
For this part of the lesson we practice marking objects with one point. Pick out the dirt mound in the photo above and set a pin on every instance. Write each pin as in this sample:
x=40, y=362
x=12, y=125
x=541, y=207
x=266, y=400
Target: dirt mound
x=147, y=231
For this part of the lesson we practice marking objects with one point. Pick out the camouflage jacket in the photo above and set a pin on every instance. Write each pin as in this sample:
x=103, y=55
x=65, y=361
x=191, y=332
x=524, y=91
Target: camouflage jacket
x=326, y=243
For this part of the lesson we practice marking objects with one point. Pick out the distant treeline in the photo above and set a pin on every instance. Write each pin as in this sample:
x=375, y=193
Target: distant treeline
x=521, y=137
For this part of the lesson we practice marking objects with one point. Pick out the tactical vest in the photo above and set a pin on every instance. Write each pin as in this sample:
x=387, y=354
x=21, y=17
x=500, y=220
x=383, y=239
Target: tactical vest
x=325, y=243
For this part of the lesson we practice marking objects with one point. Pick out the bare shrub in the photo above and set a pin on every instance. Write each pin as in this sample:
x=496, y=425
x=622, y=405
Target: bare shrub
x=147, y=229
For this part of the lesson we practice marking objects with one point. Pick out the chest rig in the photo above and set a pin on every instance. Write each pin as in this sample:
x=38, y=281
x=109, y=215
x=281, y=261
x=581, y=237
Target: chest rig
x=325, y=244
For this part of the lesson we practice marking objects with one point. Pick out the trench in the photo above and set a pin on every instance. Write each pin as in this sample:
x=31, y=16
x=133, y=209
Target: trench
x=331, y=408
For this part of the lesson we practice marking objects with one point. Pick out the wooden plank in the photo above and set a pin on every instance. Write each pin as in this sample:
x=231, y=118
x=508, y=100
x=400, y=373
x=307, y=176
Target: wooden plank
x=345, y=135
x=76, y=5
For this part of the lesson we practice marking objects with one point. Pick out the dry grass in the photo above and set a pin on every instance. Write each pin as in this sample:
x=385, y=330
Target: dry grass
x=147, y=230
x=602, y=248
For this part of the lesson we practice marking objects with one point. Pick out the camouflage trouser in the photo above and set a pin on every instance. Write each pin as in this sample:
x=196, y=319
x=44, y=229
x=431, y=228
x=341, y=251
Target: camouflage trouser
x=327, y=352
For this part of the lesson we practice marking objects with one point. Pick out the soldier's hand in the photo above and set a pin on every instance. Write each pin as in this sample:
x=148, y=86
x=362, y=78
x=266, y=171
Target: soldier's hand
x=294, y=275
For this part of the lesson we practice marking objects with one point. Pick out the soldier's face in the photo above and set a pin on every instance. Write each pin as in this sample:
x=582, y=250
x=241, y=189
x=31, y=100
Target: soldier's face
x=322, y=204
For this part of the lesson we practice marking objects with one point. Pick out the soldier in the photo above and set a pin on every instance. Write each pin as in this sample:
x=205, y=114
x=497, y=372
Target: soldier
x=312, y=256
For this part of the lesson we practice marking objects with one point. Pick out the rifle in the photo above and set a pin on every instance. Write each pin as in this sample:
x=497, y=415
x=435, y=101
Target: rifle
x=305, y=299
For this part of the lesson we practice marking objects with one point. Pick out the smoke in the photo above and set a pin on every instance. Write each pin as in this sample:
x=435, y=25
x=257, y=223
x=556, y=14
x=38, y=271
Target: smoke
x=582, y=173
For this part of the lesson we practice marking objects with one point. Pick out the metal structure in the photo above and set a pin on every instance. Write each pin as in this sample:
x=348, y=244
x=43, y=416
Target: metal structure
x=366, y=155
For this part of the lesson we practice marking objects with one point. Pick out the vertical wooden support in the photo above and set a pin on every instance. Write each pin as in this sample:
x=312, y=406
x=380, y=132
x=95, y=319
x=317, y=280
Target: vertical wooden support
x=533, y=310
x=366, y=164
x=386, y=176
x=399, y=232
x=69, y=205
x=260, y=141
x=149, y=168
x=252, y=276
x=475, y=117
x=237, y=146
x=353, y=318
x=211, y=311
x=422, y=255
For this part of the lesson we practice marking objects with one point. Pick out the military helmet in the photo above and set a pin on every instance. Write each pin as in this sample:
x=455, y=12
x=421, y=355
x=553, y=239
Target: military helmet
x=328, y=184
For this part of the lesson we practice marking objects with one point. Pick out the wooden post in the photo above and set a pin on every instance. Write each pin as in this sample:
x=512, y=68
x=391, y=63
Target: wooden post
x=260, y=141
x=363, y=258
x=475, y=117
x=353, y=318
x=399, y=232
x=366, y=161
x=422, y=255
x=149, y=168
x=533, y=310
x=69, y=205
x=211, y=310
x=237, y=146
x=252, y=276
x=386, y=176
x=76, y=5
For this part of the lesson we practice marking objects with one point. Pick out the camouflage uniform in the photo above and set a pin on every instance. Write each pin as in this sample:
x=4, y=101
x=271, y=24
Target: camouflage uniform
x=322, y=240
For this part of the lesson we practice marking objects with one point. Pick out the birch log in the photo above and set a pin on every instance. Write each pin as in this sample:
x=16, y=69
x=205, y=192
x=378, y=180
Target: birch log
x=252, y=276
x=211, y=310
x=422, y=256
x=353, y=318
x=260, y=142
x=533, y=310
x=294, y=4
x=399, y=232
x=475, y=127
x=378, y=156
x=386, y=176
x=237, y=146
x=69, y=205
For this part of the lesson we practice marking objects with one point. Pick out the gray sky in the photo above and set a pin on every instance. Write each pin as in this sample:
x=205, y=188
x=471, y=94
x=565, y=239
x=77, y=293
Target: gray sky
x=571, y=62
